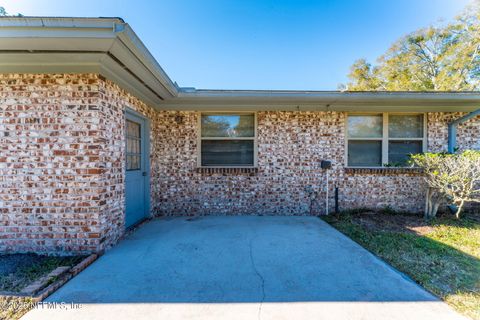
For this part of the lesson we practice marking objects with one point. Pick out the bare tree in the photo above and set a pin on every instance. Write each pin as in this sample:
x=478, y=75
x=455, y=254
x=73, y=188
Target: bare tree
x=454, y=178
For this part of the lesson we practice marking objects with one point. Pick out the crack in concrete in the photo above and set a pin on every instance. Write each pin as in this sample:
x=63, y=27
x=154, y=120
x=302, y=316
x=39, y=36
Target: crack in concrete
x=261, y=279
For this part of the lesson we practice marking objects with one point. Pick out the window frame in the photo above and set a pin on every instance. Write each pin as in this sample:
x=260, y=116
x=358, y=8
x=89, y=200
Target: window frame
x=385, y=139
x=226, y=113
x=139, y=139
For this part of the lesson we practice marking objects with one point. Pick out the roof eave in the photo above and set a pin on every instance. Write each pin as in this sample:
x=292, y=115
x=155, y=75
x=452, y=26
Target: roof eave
x=45, y=40
x=110, y=47
x=251, y=100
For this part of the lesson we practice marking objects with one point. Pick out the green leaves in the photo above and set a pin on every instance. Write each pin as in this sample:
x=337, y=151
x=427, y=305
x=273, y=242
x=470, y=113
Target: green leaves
x=429, y=59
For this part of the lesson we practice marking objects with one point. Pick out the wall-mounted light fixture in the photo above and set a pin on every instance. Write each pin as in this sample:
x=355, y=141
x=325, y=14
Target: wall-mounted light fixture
x=178, y=119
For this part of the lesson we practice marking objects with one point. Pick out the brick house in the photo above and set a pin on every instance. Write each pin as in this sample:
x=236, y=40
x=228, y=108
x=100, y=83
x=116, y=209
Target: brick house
x=96, y=137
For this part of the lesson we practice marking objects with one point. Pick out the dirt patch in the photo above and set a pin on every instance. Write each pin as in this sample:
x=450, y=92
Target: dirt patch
x=19, y=270
x=402, y=223
x=475, y=217
x=392, y=223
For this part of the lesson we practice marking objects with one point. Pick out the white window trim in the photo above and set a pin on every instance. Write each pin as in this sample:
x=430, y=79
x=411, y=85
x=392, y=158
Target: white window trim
x=219, y=113
x=385, y=138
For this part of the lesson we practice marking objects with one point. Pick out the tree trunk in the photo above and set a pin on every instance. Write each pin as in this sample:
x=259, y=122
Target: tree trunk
x=435, y=209
x=459, y=209
x=428, y=203
x=432, y=203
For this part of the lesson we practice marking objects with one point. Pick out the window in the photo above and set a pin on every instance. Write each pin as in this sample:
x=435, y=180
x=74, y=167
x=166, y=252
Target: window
x=227, y=140
x=365, y=134
x=405, y=137
x=134, y=152
x=377, y=140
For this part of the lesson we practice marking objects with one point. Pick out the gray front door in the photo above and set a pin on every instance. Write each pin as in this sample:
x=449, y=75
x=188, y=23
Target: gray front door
x=136, y=180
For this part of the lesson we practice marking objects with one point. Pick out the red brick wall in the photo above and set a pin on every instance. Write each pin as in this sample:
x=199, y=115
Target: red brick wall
x=51, y=169
x=113, y=102
x=290, y=146
x=468, y=133
x=62, y=165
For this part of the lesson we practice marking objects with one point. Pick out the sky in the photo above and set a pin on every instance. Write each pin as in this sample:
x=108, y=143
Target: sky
x=258, y=44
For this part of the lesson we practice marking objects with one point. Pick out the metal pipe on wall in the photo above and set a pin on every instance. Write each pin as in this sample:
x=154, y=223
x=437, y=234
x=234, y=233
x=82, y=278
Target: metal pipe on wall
x=452, y=129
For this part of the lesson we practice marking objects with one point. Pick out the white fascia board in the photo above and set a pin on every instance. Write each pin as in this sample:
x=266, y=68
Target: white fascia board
x=136, y=46
x=110, y=47
x=285, y=95
x=59, y=22
x=315, y=107
x=245, y=100
x=86, y=35
x=127, y=58
x=113, y=71
x=56, y=34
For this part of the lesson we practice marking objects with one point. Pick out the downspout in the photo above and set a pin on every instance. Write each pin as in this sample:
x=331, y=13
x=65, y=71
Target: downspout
x=452, y=129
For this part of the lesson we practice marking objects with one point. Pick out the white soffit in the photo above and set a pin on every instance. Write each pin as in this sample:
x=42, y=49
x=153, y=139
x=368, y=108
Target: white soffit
x=80, y=45
x=110, y=47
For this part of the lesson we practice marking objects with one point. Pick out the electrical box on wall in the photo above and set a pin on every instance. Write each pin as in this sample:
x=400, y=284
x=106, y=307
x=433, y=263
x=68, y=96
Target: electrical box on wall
x=326, y=164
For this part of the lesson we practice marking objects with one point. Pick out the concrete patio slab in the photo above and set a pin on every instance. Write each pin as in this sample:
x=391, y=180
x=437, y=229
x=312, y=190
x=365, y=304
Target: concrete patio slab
x=247, y=267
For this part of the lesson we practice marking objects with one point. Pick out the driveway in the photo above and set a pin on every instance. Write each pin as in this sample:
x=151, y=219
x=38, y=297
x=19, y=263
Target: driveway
x=240, y=268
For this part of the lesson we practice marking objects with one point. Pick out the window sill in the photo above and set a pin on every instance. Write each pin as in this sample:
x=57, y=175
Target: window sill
x=227, y=170
x=383, y=170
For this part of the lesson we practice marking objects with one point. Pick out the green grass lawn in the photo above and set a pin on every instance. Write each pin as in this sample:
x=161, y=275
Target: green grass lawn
x=442, y=255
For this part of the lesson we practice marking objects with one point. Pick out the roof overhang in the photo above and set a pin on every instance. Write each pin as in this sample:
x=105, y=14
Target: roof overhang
x=69, y=45
x=109, y=46
x=251, y=100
